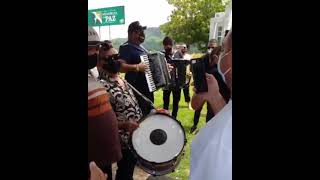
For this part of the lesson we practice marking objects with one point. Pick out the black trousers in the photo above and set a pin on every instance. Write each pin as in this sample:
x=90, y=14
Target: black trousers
x=186, y=94
x=197, y=113
x=176, y=93
x=126, y=166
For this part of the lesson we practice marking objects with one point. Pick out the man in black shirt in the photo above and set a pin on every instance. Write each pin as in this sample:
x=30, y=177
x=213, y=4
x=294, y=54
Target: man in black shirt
x=174, y=88
x=130, y=53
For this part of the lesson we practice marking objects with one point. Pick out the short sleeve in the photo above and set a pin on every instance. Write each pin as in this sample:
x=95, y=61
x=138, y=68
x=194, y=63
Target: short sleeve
x=124, y=53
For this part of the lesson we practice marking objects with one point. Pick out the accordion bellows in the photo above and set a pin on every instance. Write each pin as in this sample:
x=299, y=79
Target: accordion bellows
x=157, y=73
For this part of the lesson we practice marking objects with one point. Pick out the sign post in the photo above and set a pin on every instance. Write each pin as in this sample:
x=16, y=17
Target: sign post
x=106, y=17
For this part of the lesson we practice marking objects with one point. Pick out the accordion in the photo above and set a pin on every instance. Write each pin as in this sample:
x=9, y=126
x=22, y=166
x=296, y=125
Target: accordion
x=178, y=74
x=157, y=73
x=198, y=68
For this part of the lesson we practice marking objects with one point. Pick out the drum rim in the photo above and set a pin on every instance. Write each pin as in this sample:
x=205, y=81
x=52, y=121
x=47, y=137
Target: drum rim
x=141, y=120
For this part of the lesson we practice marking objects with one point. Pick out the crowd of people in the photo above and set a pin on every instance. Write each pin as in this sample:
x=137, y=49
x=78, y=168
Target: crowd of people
x=116, y=104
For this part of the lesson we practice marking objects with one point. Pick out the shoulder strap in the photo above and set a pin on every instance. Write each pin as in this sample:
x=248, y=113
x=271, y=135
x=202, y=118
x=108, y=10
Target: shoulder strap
x=140, y=94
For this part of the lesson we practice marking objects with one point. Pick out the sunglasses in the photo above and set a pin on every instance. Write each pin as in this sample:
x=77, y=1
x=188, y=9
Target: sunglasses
x=106, y=46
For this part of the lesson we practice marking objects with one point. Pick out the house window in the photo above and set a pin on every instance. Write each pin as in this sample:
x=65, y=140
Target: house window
x=220, y=34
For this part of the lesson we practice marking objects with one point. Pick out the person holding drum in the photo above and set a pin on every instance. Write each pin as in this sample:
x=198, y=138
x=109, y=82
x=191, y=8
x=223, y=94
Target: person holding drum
x=124, y=104
x=103, y=140
x=211, y=149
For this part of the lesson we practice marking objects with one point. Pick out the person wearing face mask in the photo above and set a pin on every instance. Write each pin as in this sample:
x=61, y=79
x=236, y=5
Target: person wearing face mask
x=212, y=44
x=103, y=140
x=168, y=51
x=211, y=149
x=211, y=60
x=186, y=56
x=181, y=71
x=130, y=53
x=124, y=104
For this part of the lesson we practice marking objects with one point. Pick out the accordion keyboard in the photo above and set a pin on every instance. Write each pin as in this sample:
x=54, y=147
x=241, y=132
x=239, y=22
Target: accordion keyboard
x=148, y=74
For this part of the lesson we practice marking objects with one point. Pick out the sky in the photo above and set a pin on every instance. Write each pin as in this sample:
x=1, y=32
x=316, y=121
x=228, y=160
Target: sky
x=150, y=13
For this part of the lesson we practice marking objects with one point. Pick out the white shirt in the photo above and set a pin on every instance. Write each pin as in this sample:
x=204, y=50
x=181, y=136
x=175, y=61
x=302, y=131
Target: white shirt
x=211, y=149
x=187, y=57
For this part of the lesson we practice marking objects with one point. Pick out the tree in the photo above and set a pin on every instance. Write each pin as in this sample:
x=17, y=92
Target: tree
x=190, y=20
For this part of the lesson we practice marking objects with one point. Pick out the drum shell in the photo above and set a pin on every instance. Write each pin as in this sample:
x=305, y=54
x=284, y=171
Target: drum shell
x=154, y=168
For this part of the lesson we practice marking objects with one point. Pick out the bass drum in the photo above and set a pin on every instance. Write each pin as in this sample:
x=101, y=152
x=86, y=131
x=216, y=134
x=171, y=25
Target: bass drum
x=158, y=144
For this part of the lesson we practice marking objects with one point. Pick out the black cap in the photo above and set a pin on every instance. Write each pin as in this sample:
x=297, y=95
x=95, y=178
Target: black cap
x=135, y=26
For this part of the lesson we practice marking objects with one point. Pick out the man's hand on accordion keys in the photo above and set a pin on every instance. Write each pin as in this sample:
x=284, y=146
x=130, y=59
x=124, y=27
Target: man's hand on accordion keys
x=141, y=67
x=170, y=67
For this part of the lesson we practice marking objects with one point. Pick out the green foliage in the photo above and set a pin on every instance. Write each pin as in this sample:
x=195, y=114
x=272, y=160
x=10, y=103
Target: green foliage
x=190, y=20
x=153, y=41
x=118, y=41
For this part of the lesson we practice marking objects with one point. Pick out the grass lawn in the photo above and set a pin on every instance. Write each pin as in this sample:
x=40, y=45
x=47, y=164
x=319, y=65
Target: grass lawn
x=186, y=118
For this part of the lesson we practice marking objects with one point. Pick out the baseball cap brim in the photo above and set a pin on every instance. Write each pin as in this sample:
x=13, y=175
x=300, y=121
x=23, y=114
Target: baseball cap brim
x=94, y=43
x=143, y=27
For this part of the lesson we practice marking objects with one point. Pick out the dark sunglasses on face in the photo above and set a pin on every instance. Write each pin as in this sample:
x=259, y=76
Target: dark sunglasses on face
x=106, y=46
x=96, y=47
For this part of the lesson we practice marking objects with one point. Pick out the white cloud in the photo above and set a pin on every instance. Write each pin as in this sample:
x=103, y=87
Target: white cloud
x=151, y=13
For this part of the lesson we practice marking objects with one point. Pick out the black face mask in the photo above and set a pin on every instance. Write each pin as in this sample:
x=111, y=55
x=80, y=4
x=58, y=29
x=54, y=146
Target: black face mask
x=168, y=50
x=141, y=37
x=112, y=64
x=92, y=61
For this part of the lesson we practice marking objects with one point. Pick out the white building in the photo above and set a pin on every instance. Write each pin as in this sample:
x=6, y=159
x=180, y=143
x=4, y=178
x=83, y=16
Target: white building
x=221, y=22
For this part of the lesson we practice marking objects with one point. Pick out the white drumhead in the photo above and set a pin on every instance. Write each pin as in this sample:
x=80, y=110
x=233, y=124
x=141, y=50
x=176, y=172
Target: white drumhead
x=158, y=153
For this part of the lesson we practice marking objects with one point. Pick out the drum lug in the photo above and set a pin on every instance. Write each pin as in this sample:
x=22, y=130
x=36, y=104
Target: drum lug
x=174, y=162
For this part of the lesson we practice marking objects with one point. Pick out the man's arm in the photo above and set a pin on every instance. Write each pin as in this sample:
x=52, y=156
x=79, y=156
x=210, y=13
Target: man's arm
x=128, y=126
x=213, y=96
x=131, y=67
x=125, y=59
x=216, y=102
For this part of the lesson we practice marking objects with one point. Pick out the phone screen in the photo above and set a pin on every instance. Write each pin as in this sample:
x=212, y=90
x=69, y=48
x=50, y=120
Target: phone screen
x=199, y=75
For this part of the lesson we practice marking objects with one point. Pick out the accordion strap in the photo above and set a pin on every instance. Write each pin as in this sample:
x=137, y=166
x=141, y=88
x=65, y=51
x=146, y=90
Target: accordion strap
x=140, y=94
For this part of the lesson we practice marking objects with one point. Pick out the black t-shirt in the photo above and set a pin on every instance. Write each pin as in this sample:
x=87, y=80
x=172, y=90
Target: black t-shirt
x=168, y=56
x=131, y=54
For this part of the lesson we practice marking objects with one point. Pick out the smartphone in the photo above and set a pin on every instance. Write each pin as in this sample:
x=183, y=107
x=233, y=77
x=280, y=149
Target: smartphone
x=198, y=67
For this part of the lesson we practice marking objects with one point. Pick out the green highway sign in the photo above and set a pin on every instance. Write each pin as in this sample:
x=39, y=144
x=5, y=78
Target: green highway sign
x=106, y=16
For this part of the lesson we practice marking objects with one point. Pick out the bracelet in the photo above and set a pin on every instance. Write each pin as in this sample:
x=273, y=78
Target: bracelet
x=137, y=67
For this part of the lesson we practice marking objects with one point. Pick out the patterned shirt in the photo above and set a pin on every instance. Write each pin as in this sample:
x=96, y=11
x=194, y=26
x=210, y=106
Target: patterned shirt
x=123, y=101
